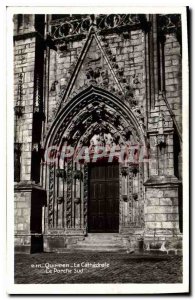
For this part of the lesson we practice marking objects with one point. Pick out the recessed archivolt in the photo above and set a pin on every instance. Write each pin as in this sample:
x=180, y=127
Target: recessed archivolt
x=95, y=106
x=96, y=129
x=100, y=119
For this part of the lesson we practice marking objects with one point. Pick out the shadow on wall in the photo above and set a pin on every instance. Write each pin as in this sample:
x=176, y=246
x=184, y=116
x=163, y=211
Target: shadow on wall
x=180, y=203
x=38, y=201
x=36, y=243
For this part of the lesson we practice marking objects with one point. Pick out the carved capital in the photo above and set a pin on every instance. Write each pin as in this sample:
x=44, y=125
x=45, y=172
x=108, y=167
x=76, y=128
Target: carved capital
x=125, y=198
x=60, y=173
x=134, y=168
x=78, y=175
x=77, y=200
x=60, y=200
x=124, y=171
x=135, y=196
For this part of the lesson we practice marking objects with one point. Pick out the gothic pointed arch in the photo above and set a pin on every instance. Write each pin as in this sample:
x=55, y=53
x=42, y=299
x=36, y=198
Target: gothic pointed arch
x=95, y=109
x=93, y=117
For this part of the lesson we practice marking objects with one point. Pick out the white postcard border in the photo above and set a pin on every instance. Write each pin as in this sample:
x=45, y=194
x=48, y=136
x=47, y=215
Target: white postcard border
x=95, y=288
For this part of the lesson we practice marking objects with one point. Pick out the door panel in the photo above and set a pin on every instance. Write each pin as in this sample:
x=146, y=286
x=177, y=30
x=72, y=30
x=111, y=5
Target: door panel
x=103, y=206
x=112, y=205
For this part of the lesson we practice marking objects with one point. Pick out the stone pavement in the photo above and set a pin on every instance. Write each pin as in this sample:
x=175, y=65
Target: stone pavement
x=91, y=267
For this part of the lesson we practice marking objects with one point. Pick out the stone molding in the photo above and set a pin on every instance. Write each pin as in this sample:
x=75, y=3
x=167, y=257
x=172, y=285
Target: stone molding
x=27, y=186
x=158, y=181
x=27, y=35
x=103, y=24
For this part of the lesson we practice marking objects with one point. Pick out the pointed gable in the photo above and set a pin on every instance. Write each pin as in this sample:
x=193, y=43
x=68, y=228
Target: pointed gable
x=92, y=68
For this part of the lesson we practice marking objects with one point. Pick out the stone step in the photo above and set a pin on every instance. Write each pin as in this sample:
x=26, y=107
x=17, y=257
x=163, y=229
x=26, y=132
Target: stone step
x=105, y=241
x=97, y=248
x=99, y=240
x=99, y=243
x=103, y=237
x=83, y=250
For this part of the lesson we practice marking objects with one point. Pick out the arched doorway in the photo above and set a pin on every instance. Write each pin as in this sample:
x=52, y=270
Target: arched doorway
x=95, y=189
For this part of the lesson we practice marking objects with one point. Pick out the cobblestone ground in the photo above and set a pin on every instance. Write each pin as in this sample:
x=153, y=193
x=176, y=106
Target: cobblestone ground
x=76, y=268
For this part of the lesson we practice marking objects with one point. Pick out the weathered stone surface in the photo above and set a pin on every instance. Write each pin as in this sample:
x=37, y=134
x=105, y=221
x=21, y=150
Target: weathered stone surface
x=71, y=88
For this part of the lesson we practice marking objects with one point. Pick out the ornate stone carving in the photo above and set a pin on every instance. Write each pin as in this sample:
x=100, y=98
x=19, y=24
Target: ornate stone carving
x=85, y=196
x=19, y=109
x=78, y=175
x=119, y=23
x=121, y=198
x=102, y=138
x=91, y=116
x=60, y=200
x=51, y=197
x=124, y=171
x=69, y=194
x=141, y=194
x=134, y=169
x=125, y=198
x=94, y=74
x=77, y=200
x=53, y=86
x=130, y=197
x=97, y=75
x=99, y=113
x=135, y=196
x=60, y=173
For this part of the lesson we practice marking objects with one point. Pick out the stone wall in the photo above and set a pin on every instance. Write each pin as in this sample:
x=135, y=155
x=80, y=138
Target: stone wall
x=22, y=213
x=24, y=64
x=128, y=64
x=173, y=76
x=28, y=202
x=26, y=41
x=162, y=208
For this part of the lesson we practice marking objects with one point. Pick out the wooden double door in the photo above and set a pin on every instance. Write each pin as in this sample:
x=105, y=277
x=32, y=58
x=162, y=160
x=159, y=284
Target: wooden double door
x=103, y=206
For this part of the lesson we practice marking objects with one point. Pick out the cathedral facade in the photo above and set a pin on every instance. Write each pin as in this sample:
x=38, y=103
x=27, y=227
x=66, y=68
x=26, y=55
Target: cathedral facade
x=98, y=129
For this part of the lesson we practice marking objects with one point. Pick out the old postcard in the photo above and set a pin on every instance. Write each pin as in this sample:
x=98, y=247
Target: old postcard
x=98, y=99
